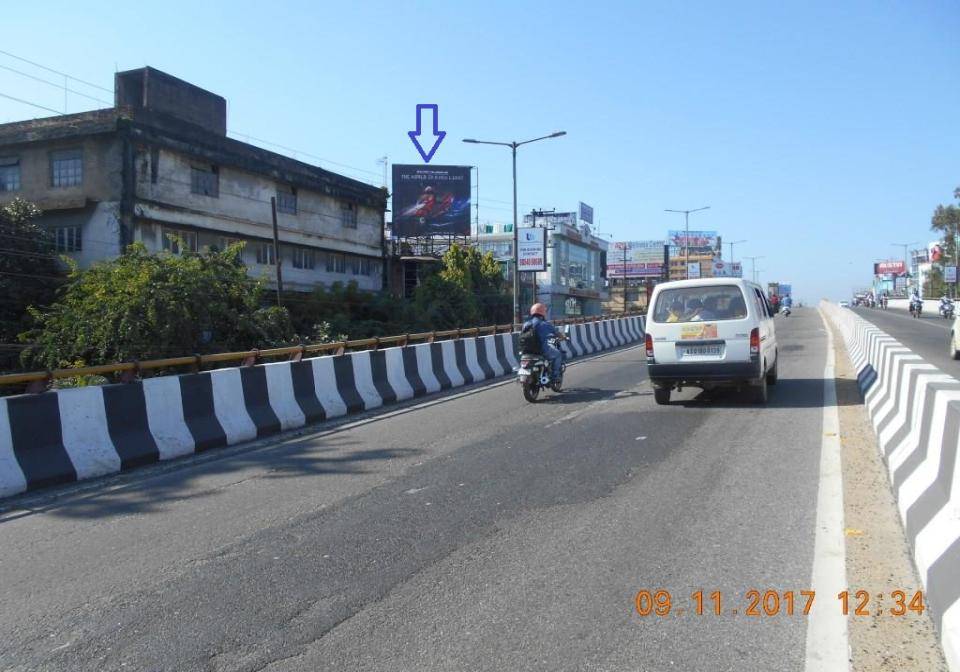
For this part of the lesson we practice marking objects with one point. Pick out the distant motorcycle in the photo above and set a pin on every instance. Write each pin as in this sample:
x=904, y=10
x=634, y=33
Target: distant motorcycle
x=916, y=307
x=534, y=372
x=883, y=302
x=786, y=311
x=946, y=309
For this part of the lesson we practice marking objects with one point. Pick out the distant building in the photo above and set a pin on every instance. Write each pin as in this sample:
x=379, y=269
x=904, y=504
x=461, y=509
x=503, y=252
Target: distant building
x=159, y=162
x=573, y=284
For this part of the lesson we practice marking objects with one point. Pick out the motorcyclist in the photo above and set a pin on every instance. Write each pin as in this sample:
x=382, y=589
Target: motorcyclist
x=946, y=304
x=915, y=300
x=545, y=330
x=787, y=302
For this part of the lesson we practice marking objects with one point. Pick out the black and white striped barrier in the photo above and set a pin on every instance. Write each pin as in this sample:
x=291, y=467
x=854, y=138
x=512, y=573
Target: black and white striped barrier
x=72, y=434
x=915, y=411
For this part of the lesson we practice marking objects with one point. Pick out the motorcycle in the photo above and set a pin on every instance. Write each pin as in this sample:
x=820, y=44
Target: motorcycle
x=785, y=310
x=946, y=310
x=883, y=303
x=534, y=372
x=916, y=307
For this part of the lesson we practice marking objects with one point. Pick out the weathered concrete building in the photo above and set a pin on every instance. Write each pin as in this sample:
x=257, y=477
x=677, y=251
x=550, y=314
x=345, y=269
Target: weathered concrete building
x=159, y=162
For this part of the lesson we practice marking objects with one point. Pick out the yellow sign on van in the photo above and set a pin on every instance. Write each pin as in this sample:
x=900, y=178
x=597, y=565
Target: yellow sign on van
x=698, y=331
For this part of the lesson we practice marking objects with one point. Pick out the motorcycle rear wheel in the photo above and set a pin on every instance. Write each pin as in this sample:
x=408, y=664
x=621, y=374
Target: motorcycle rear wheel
x=530, y=392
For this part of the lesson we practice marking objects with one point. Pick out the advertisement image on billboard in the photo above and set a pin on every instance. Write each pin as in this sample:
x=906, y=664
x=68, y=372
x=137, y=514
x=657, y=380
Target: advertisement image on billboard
x=635, y=259
x=431, y=200
x=894, y=266
x=699, y=242
x=723, y=269
x=531, y=249
x=950, y=274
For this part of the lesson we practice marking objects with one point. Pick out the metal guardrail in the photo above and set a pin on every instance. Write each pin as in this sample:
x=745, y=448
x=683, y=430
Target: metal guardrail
x=39, y=381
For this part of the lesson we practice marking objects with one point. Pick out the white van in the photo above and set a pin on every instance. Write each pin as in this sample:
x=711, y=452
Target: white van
x=710, y=333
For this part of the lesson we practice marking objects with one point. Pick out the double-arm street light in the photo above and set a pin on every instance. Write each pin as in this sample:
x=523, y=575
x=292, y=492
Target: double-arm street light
x=754, y=268
x=516, y=269
x=686, y=239
x=731, y=244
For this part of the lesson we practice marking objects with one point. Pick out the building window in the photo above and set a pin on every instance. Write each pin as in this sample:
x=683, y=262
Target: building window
x=336, y=263
x=68, y=238
x=353, y=265
x=304, y=258
x=287, y=200
x=9, y=173
x=348, y=214
x=265, y=255
x=205, y=180
x=154, y=165
x=176, y=241
x=66, y=168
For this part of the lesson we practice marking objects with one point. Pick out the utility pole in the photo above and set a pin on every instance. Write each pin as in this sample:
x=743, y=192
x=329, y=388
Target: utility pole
x=686, y=238
x=754, y=265
x=731, y=244
x=624, y=278
x=276, y=247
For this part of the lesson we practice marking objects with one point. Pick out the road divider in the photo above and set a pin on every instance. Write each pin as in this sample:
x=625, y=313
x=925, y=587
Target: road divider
x=915, y=410
x=67, y=435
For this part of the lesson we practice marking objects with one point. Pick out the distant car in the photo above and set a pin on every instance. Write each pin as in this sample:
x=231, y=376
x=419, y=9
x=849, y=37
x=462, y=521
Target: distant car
x=844, y=304
x=955, y=338
x=710, y=333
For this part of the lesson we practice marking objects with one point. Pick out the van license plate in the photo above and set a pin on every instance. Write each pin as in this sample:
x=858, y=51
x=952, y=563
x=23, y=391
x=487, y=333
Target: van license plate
x=701, y=350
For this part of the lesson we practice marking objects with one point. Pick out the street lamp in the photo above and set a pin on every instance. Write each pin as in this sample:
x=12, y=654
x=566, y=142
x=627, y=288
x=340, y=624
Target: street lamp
x=731, y=244
x=906, y=257
x=686, y=239
x=754, y=265
x=516, y=260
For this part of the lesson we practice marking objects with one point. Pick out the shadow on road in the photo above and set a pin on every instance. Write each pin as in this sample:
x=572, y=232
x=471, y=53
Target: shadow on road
x=150, y=490
x=787, y=393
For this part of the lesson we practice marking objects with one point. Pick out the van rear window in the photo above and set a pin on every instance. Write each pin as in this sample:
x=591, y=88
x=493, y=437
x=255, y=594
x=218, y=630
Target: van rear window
x=696, y=304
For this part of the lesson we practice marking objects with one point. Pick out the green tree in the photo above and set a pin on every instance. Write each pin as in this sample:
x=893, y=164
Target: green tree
x=946, y=221
x=480, y=277
x=143, y=306
x=29, y=269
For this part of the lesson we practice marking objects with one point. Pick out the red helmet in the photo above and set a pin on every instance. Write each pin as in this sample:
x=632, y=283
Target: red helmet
x=538, y=309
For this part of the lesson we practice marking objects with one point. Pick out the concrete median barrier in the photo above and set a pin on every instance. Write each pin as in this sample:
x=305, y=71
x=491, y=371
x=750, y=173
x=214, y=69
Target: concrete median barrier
x=72, y=434
x=915, y=410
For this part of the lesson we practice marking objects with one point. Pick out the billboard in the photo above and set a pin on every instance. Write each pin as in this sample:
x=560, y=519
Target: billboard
x=785, y=289
x=722, y=269
x=949, y=273
x=531, y=249
x=586, y=213
x=891, y=266
x=693, y=270
x=431, y=200
x=699, y=242
x=644, y=259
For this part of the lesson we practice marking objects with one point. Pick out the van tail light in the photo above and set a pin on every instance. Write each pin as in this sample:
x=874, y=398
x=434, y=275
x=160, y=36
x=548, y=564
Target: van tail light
x=649, y=343
x=755, y=341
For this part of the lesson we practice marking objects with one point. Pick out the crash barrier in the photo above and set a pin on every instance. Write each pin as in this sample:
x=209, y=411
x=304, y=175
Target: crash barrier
x=915, y=410
x=73, y=434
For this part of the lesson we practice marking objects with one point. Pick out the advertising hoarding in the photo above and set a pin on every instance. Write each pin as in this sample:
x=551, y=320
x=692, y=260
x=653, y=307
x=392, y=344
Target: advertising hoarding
x=586, y=213
x=785, y=289
x=431, y=200
x=644, y=259
x=693, y=270
x=531, y=249
x=950, y=273
x=722, y=269
x=897, y=267
x=700, y=242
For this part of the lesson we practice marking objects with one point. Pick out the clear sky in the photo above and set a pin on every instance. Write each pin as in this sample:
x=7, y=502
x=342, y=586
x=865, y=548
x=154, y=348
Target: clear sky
x=821, y=132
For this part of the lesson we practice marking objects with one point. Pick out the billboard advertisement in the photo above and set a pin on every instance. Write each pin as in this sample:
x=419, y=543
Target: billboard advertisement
x=635, y=259
x=785, y=289
x=693, y=270
x=949, y=273
x=722, y=269
x=531, y=249
x=891, y=266
x=586, y=213
x=431, y=200
x=699, y=242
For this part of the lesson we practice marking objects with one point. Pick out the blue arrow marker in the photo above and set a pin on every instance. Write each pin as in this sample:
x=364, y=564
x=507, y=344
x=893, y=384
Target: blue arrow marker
x=439, y=135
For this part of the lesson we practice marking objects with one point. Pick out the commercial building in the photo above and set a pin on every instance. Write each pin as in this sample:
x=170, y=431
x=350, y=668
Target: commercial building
x=573, y=284
x=158, y=168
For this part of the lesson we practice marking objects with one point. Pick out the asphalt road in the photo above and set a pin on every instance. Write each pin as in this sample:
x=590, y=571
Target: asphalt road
x=475, y=533
x=927, y=335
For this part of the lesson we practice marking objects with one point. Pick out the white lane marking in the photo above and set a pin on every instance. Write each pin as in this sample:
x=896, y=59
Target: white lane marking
x=827, y=646
x=641, y=438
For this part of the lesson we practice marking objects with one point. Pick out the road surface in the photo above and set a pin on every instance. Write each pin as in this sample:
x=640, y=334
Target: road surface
x=927, y=335
x=476, y=532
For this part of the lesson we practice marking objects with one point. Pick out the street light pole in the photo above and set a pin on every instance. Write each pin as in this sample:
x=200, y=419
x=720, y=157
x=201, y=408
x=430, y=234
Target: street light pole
x=516, y=253
x=754, y=265
x=731, y=244
x=686, y=239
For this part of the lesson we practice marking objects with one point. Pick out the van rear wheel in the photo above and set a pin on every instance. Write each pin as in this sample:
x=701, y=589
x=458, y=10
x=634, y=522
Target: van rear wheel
x=760, y=392
x=661, y=395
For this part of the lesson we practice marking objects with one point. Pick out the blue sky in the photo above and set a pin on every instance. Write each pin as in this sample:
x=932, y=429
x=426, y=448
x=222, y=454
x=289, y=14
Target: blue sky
x=821, y=132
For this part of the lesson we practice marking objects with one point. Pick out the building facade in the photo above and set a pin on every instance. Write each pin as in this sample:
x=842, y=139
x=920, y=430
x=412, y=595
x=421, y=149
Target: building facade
x=158, y=168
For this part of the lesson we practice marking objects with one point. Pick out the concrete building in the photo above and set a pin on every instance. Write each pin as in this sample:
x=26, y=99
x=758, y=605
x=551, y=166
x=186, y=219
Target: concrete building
x=573, y=284
x=159, y=163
